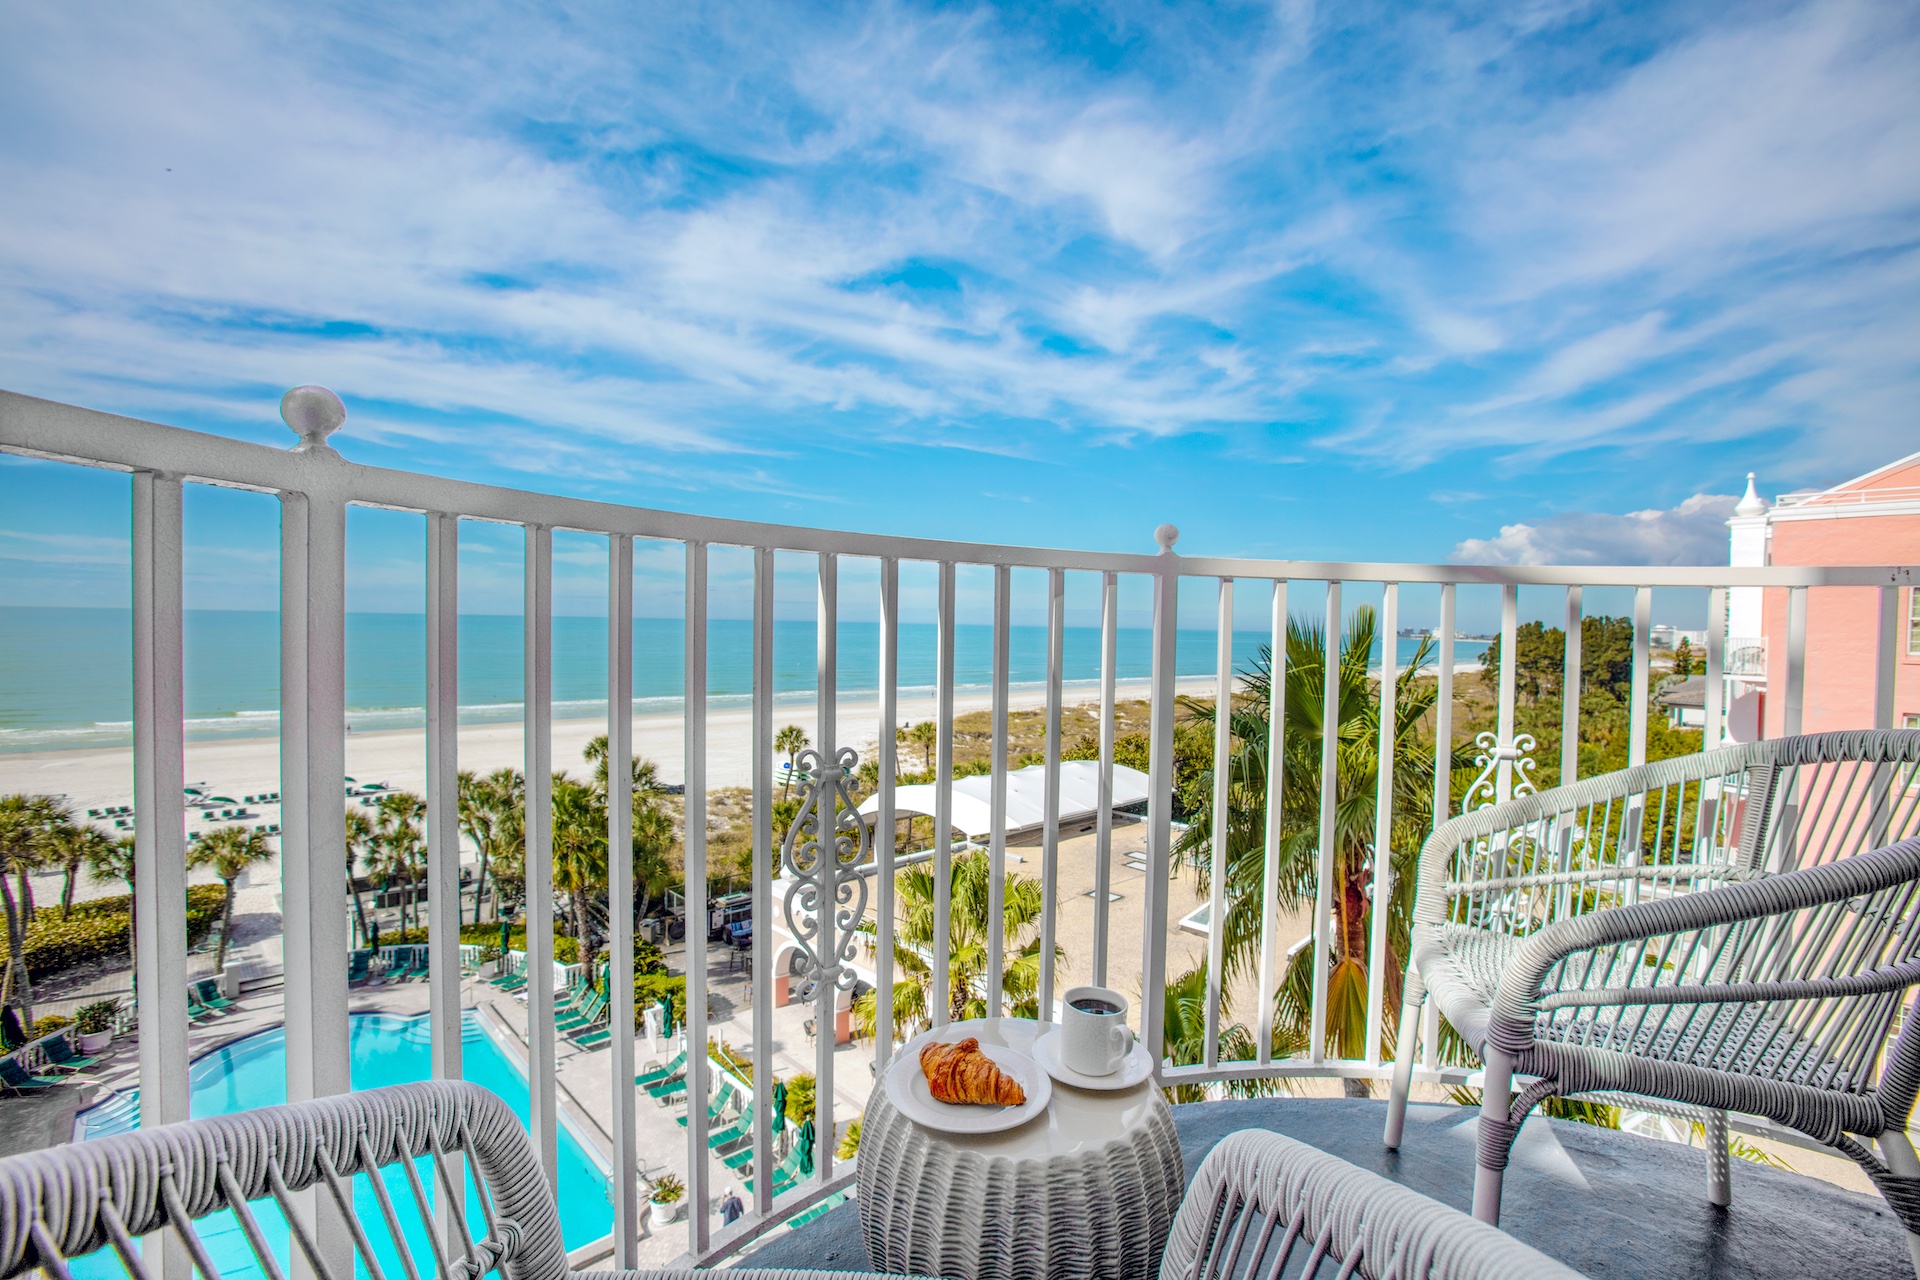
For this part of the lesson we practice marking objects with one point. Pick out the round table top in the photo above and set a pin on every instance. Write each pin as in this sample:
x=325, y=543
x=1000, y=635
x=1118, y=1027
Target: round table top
x=1075, y=1120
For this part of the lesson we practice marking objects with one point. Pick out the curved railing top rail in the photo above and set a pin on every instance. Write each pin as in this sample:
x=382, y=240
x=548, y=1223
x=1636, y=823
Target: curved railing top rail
x=47, y=429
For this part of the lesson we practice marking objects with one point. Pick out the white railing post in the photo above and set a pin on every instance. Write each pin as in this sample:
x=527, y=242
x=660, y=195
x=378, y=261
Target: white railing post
x=1222, y=813
x=1642, y=668
x=1507, y=747
x=1276, y=775
x=543, y=1118
x=694, y=843
x=997, y=795
x=159, y=817
x=1160, y=778
x=763, y=856
x=1443, y=713
x=1795, y=682
x=1570, y=691
x=313, y=768
x=943, y=801
x=1383, y=823
x=620, y=1012
x=1050, y=817
x=1103, y=822
x=888, y=761
x=826, y=866
x=443, y=791
x=1329, y=800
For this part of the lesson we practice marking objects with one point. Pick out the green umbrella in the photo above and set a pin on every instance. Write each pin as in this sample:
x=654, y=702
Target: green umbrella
x=805, y=1142
x=779, y=1105
x=506, y=937
x=666, y=1015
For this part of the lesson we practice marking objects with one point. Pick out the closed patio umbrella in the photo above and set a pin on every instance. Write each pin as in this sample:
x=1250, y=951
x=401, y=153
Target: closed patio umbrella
x=805, y=1142
x=779, y=1106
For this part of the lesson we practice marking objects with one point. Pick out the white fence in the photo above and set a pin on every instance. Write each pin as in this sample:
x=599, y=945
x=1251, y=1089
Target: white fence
x=315, y=486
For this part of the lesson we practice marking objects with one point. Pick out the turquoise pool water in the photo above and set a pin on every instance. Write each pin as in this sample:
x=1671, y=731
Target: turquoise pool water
x=383, y=1050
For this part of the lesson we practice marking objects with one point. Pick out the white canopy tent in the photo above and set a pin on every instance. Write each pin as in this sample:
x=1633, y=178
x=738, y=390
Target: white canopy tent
x=1026, y=796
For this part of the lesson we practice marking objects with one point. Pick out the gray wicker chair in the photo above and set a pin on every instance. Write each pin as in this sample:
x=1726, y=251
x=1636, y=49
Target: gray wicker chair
x=1264, y=1206
x=67, y=1201
x=1731, y=931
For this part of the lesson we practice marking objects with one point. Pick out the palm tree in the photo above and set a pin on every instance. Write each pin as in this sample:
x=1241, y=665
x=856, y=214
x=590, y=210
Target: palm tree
x=229, y=852
x=113, y=860
x=925, y=735
x=968, y=935
x=1184, y=1032
x=27, y=824
x=790, y=741
x=72, y=846
x=580, y=853
x=493, y=816
x=1356, y=772
x=399, y=845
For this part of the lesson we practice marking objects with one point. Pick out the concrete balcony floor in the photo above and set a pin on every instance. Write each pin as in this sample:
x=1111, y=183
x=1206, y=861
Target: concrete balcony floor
x=1606, y=1203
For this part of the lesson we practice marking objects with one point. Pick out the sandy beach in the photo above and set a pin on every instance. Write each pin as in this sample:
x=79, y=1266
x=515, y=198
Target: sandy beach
x=101, y=777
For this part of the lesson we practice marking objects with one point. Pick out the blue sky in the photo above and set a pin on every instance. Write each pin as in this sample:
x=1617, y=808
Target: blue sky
x=1359, y=281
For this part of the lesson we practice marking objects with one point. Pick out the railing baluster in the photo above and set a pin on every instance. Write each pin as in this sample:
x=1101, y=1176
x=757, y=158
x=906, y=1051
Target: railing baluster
x=544, y=1115
x=763, y=856
x=159, y=815
x=1153, y=941
x=1276, y=774
x=1383, y=822
x=1050, y=832
x=1794, y=681
x=1885, y=672
x=1103, y=822
x=1443, y=712
x=694, y=839
x=997, y=793
x=884, y=819
x=620, y=1013
x=1509, y=671
x=827, y=866
x=1637, y=701
x=943, y=801
x=443, y=809
x=1222, y=807
x=1329, y=780
x=1570, y=691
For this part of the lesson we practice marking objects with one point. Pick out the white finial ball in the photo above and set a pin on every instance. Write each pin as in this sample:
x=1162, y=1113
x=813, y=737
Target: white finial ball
x=313, y=414
x=1166, y=535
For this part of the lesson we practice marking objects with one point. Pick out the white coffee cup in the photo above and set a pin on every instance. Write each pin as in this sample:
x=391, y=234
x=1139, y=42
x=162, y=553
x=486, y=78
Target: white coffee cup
x=1094, y=1040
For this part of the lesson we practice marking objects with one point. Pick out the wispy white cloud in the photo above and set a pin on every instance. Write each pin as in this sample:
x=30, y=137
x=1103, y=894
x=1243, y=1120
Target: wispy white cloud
x=1694, y=532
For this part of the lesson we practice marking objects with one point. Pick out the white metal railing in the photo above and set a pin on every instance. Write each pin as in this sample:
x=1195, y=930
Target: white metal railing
x=315, y=485
x=1746, y=658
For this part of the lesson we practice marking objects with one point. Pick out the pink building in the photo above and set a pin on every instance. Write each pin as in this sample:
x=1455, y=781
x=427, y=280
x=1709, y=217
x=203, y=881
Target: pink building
x=1872, y=519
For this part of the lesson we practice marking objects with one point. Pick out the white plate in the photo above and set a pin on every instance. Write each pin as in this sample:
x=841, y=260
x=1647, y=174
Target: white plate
x=907, y=1088
x=1134, y=1068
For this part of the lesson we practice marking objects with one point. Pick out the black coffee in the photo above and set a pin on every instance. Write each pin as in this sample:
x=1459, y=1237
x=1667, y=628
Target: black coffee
x=1093, y=1004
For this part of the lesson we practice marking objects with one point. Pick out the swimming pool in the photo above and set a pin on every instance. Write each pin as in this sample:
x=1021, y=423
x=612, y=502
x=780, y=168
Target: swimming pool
x=383, y=1049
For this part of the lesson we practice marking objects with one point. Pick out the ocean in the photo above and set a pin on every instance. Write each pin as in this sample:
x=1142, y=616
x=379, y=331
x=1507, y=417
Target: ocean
x=65, y=674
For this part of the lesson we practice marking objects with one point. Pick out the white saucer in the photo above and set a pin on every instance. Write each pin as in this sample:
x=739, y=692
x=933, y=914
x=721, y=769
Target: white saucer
x=1134, y=1068
x=907, y=1088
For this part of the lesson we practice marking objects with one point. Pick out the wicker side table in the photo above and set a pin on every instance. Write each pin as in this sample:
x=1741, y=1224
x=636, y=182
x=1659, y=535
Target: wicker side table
x=1086, y=1191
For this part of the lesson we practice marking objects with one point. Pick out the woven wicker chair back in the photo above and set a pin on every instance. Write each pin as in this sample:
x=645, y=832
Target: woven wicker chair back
x=1265, y=1207
x=67, y=1201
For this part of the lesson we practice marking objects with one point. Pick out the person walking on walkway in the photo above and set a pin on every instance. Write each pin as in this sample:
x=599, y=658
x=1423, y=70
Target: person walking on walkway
x=730, y=1207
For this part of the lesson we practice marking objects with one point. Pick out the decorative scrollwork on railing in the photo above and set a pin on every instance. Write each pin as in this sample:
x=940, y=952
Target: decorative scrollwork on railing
x=824, y=847
x=1485, y=786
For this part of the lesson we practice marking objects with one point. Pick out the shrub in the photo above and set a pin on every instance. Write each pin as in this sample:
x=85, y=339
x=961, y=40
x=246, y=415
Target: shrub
x=48, y=1025
x=566, y=950
x=647, y=990
x=800, y=1099
x=849, y=1142
x=97, y=930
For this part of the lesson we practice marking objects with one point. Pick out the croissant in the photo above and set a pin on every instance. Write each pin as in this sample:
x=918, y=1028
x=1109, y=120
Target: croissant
x=959, y=1072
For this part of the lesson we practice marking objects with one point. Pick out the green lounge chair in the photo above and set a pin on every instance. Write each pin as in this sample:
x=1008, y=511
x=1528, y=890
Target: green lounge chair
x=591, y=1039
x=510, y=981
x=60, y=1054
x=739, y=1160
x=665, y=1072
x=825, y=1207
x=196, y=1010
x=209, y=990
x=17, y=1078
x=357, y=962
x=668, y=1092
x=588, y=1012
x=785, y=1174
x=741, y=1127
x=721, y=1101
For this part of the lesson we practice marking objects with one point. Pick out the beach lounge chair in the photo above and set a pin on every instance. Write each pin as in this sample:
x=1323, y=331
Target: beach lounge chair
x=196, y=1010
x=742, y=1127
x=826, y=1206
x=655, y=1075
x=510, y=981
x=209, y=989
x=18, y=1079
x=785, y=1174
x=357, y=962
x=721, y=1101
x=60, y=1054
x=589, y=1011
x=670, y=1091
